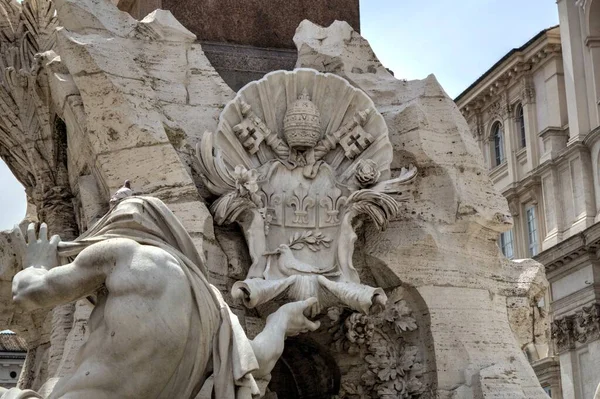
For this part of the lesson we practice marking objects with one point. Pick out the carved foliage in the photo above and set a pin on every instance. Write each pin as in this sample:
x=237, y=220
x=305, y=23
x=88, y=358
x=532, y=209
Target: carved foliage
x=393, y=369
x=25, y=126
x=586, y=326
x=31, y=142
x=381, y=208
x=311, y=239
x=499, y=110
x=579, y=328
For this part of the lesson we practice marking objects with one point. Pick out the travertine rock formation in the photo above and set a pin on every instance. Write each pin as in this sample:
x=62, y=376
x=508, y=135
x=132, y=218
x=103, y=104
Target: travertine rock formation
x=444, y=244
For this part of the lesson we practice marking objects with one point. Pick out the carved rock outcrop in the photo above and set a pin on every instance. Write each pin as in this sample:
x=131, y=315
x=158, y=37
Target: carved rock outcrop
x=444, y=242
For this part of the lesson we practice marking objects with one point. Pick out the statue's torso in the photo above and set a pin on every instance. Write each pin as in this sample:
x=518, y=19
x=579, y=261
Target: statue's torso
x=143, y=320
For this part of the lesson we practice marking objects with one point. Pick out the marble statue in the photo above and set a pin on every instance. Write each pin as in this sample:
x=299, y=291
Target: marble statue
x=153, y=304
x=296, y=158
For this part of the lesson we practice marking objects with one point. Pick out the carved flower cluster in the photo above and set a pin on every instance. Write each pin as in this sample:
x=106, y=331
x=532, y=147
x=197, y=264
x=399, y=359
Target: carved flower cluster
x=400, y=316
x=393, y=369
x=245, y=181
x=392, y=374
x=366, y=172
x=359, y=328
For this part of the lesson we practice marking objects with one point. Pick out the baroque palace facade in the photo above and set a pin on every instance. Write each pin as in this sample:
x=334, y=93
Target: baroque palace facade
x=536, y=117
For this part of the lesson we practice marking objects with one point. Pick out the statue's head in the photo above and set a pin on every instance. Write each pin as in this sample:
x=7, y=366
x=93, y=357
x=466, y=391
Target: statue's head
x=302, y=123
x=146, y=220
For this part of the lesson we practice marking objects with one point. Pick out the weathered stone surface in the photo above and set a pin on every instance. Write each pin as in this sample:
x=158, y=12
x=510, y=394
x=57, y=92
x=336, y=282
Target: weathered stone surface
x=161, y=25
x=444, y=241
x=92, y=204
x=137, y=87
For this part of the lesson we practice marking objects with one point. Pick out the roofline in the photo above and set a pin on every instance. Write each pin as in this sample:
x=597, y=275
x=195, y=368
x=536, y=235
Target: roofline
x=501, y=60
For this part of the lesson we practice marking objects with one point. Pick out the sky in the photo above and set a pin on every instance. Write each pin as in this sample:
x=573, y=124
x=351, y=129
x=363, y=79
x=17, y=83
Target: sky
x=455, y=40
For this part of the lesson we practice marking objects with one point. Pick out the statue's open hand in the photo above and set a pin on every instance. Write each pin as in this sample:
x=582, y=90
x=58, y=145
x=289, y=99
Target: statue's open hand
x=40, y=252
x=293, y=318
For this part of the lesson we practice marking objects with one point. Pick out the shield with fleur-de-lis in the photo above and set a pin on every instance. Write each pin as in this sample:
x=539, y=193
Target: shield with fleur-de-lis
x=305, y=215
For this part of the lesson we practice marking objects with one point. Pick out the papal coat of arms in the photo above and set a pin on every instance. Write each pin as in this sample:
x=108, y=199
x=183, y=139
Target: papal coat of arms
x=296, y=158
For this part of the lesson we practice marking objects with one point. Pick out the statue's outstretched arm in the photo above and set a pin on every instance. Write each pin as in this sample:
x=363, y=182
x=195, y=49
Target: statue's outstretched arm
x=289, y=320
x=44, y=284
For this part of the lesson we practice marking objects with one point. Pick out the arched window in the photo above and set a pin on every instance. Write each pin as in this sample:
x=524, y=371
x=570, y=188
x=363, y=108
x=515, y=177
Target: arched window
x=498, y=137
x=520, y=118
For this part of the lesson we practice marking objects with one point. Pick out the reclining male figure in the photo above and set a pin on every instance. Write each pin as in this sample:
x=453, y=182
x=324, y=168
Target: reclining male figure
x=158, y=328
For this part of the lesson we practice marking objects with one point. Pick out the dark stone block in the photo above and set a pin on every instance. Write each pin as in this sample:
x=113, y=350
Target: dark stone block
x=239, y=65
x=258, y=23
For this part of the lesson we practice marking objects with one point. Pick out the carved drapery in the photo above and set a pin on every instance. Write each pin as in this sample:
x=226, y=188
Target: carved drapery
x=577, y=329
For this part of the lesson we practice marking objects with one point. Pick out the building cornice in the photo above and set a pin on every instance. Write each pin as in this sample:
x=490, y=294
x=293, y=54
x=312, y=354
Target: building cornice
x=513, y=66
x=571, y=248
x=547, y=368
x=12, y=355
x=499, y=171
x=564, y=153
x=529, y=182
x=592, y=41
